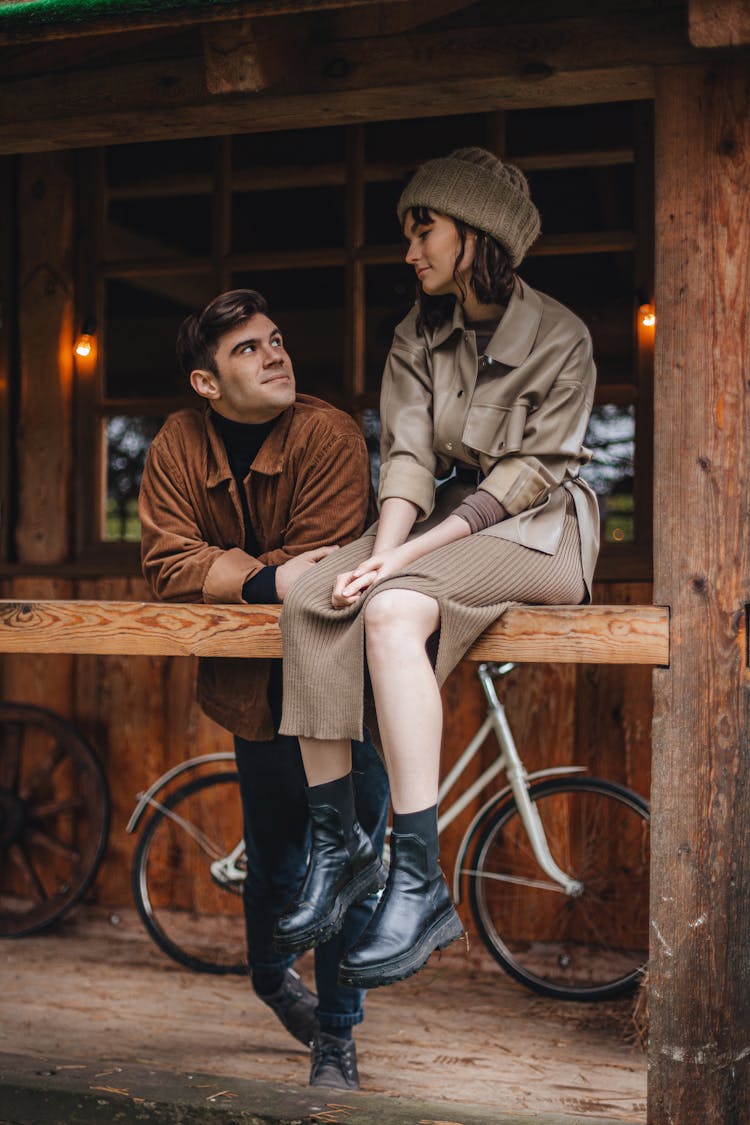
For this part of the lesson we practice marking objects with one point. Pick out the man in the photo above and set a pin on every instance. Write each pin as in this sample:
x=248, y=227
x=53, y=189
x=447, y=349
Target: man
x=238, y=500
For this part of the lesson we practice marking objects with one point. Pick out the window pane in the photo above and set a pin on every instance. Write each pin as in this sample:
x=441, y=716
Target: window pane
x=127, y=441
x=293, y=146
x=308, y=307
x=584, y=199
x=381, y=221
x=389, y=294
x=371, y=429
x=421, y=138
x=288, y=219
x=611, y=437
x=569, y=128
x=162, y=227
x=599, y=288
x=142, y=318
x=129, y=164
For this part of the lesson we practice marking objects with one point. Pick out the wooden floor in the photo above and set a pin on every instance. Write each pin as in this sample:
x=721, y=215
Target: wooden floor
x=97, y=990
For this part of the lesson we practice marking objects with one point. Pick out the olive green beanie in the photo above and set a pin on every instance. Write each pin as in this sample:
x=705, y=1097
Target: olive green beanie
x=474, y=186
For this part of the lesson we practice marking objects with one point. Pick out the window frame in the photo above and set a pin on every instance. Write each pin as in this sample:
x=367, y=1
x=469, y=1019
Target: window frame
x=630, y=561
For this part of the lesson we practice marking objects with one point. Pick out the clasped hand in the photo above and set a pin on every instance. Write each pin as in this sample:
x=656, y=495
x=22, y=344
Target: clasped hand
x=350, y=585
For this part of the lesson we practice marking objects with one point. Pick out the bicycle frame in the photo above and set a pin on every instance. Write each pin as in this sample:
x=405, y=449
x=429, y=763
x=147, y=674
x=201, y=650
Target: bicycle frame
x=228, y=870
x=519, y=780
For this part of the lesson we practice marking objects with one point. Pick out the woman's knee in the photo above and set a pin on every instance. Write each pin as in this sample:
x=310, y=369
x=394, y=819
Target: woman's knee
x=400, y=615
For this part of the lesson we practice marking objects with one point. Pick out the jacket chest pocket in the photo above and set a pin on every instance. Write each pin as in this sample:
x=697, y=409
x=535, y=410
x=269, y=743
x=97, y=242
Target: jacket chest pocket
x=495, y=430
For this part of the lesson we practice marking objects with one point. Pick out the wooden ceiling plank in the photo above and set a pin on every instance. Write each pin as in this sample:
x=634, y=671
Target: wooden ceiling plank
x=131, y=125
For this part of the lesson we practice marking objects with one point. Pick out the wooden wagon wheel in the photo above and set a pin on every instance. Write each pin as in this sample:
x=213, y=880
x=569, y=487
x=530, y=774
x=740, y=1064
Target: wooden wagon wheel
x=54, y=818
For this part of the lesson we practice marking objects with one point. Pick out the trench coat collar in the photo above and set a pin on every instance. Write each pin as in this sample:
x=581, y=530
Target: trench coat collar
x=269, y=459
x=514, y=336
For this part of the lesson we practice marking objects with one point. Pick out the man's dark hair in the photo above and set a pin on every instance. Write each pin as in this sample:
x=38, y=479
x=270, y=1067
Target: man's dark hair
x=199, y=335
x=492, y=276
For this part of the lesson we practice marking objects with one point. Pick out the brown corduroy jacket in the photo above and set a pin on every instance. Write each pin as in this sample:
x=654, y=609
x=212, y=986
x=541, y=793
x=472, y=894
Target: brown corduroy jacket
x=309, y=486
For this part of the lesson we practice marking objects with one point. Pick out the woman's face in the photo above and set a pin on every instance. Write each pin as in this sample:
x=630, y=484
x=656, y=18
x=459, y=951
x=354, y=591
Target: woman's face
x=432, y=251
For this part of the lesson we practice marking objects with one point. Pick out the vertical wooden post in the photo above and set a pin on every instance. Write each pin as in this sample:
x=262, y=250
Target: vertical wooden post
x=45, y=320
x=700, y=904
x=7, y=315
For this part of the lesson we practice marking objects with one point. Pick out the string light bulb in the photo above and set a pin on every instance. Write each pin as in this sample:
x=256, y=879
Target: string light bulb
x=86, y=339
x=647, y=315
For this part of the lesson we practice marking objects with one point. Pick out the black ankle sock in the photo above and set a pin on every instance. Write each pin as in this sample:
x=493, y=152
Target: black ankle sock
x=337, y=1032
x=340, y=794
x=424, y=825
x=267, y=981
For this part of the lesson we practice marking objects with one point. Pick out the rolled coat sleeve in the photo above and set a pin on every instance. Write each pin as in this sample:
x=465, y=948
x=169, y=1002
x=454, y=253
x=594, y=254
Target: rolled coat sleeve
x=408, y=460
x=178, y=563
x=552, y=438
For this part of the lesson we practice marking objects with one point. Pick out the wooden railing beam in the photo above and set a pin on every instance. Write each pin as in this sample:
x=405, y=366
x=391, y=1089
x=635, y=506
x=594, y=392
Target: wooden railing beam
x=616, y=634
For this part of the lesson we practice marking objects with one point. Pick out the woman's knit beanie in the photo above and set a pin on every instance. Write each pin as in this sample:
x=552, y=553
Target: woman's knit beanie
x=474, y=186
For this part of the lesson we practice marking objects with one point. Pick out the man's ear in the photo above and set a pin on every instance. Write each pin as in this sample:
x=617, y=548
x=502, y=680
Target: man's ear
x=205, y=383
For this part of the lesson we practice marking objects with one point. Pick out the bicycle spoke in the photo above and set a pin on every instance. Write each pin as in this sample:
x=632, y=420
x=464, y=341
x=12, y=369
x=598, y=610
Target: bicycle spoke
x=54, y=808
x=10, y=756
x=26, y=867
x=494, y=876
x=54, y=845
x=44, y=772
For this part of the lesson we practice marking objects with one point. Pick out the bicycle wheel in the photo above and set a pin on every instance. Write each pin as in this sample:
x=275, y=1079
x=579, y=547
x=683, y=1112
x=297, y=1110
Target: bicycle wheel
x=191, y=917
x=590, y=947
x=54, y=818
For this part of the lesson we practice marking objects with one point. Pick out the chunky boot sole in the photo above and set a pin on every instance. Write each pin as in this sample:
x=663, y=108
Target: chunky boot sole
x=444, y=930
x=371, y=879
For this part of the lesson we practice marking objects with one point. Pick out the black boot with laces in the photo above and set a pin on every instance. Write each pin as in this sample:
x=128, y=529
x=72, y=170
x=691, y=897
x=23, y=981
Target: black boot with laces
x=334, y=1063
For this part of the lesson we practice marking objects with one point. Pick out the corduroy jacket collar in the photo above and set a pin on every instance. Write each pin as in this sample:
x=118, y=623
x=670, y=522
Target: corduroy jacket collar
x=269, y=459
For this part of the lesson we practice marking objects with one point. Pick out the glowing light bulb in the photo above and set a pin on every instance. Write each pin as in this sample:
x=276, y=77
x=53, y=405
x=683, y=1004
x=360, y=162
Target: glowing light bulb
x=647, y=316
x=84, y=345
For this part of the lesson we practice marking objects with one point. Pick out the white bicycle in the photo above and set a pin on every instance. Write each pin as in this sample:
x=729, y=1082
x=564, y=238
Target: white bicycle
x=554, y=865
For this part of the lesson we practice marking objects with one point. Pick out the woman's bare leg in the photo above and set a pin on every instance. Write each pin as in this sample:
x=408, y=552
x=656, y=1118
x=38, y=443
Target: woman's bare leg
x=407, y=698
x=325, y=759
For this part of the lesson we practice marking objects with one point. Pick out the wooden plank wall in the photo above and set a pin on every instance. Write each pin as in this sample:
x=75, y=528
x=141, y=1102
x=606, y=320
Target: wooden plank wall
x=140, y=714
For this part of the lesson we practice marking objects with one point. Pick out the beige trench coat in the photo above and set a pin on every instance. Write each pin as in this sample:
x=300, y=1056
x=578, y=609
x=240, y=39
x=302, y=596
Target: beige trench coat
x=519, y=420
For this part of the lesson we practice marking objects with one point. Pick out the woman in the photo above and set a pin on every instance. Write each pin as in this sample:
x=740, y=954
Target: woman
x=495, y=381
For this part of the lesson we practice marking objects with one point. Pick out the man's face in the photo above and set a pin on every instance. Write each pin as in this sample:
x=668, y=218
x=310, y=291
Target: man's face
x=256, y=379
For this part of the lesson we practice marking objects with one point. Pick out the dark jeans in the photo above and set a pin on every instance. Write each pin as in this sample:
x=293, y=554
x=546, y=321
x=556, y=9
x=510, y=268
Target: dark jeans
x=277, y=839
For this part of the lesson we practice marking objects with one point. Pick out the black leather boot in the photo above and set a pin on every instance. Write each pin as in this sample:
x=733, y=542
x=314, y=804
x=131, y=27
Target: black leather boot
x=343, y=869
x=414, y=917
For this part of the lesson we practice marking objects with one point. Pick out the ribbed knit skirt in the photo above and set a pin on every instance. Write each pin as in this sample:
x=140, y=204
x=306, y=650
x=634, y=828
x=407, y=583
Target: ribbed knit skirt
x=473, y=580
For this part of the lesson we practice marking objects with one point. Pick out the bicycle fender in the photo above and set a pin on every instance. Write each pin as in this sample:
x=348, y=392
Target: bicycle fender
x=145, y=799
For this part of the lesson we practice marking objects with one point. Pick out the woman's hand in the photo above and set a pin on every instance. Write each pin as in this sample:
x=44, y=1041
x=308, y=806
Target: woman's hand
x=349, y=587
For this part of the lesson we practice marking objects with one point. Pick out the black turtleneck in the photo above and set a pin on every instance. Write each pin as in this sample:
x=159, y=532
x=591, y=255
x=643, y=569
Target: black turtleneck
x=242, y=441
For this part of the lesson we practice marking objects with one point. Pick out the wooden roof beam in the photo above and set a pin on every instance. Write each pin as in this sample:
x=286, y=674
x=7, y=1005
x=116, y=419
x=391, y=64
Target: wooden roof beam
x=247, y=56
x=719, y=23
x=568, y=62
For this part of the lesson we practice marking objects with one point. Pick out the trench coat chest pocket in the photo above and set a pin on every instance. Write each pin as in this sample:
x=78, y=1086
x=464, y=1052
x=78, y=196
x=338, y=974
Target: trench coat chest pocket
x=495, y=430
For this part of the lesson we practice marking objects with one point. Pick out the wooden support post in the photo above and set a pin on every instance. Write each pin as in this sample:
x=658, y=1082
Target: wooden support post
x=700, y=899
x=45, y=324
